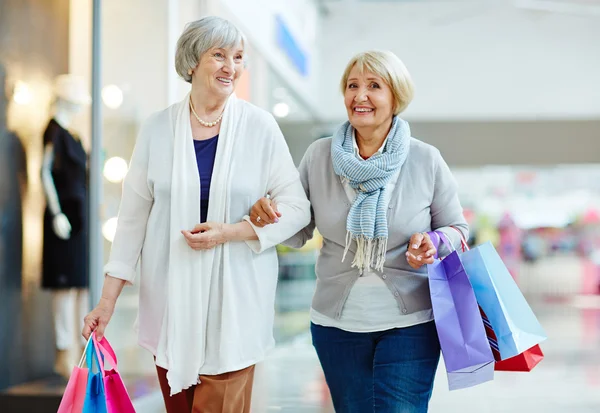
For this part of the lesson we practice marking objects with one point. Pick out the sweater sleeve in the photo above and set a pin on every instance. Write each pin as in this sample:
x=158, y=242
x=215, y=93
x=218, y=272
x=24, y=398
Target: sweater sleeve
x=305, y=234
x=446, y=210
x=136, y=203
x=286, y=190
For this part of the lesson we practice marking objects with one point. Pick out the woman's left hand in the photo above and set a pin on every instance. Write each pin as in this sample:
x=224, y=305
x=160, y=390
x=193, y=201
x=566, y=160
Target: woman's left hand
x=420, y=250
x=205, y=236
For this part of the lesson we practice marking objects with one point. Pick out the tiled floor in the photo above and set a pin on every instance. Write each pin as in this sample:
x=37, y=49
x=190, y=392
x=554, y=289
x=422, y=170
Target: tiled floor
x=567, y=381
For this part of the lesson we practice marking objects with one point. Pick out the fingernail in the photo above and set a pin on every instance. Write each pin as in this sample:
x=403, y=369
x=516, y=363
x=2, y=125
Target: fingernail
x=276, y=219
x=415, y=246
x=418, y=258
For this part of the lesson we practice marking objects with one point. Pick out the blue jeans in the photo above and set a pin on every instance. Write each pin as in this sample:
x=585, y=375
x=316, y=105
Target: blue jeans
x=383, y=372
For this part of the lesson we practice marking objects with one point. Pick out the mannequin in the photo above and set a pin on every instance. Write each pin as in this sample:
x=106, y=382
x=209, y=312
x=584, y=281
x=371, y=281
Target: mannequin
x=65, y=255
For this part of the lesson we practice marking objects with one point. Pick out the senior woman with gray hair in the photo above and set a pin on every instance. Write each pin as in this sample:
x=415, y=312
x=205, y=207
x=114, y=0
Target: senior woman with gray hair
x=207, y=277
x=375, y=192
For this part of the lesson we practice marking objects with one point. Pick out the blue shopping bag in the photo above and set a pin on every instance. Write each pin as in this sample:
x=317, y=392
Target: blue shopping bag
x=467, y=354
x=95, y=399
x=516, y=327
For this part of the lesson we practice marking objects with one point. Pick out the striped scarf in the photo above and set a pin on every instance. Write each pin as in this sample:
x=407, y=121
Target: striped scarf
x=367, y=219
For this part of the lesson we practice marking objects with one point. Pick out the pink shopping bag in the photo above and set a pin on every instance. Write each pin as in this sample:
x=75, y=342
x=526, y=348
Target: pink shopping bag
x=117, y=398
x=74, y=396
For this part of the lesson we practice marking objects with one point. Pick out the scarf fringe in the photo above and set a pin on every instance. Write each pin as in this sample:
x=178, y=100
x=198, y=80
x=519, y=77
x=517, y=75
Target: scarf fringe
x=370, y=252
x=348, y=242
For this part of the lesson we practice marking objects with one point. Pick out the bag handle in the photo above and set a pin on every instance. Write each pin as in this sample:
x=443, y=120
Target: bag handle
x=436, y=237
x=91, y=355
x=103, y=348
x=463, y=242
x=80, y=364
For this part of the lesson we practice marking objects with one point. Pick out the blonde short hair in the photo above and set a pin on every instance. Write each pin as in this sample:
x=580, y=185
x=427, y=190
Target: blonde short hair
x=390, y=68
x=199, y=37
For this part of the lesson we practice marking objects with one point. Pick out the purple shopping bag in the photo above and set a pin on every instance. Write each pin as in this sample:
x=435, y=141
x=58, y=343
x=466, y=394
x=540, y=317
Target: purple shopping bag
x=117, y=398
x=465, y=347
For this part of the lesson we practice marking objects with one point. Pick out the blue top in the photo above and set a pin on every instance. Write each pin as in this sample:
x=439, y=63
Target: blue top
x=205, y=158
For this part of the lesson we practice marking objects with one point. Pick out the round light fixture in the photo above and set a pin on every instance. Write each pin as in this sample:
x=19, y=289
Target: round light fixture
x=109, y=229
x=112, y=96
x=115, y=169
x=281, y=110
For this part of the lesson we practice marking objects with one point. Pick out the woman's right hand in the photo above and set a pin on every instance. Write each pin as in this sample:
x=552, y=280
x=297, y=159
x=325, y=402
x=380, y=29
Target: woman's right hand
x=264, y=212
x=98, y=319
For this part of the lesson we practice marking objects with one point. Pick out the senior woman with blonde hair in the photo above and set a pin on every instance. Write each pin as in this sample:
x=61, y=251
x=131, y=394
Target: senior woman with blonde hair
x=207, y=277
x=375, y=192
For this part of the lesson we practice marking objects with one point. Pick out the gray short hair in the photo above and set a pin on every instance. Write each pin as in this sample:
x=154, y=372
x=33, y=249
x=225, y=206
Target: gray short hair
x=200, y=36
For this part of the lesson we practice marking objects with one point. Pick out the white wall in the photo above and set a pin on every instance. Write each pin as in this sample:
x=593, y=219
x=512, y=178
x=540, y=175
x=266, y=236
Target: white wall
x=471, y=60
x=134, y=52
x=257, y=19
x=134, y=56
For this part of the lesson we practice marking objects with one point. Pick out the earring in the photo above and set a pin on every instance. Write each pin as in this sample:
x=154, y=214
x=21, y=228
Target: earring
x=190, y=72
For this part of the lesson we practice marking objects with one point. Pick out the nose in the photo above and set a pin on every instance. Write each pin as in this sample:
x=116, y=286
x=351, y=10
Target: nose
x=361, y=95
x=229, y=66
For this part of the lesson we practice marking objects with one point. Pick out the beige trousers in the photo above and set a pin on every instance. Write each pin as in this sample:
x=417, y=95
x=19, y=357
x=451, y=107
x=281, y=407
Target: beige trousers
x=224, y=393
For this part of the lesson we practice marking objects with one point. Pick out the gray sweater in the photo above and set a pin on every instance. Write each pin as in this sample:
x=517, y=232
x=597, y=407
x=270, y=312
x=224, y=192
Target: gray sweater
x=425, y=198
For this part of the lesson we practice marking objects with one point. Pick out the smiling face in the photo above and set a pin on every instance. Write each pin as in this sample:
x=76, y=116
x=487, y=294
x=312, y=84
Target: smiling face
x=369, y=100
x=219, y=70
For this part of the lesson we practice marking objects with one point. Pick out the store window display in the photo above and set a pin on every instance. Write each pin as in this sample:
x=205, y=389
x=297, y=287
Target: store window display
x=13, y=178
x=65, y=252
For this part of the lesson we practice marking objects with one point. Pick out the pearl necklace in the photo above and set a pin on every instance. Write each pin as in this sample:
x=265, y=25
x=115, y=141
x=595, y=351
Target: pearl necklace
x=204, y=123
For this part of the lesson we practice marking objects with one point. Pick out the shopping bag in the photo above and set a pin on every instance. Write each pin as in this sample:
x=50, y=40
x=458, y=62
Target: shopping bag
x=467, y=354
x=117, y=398
x=525, y=361
x=95, y=400
x=512, y=319
x=74, y=395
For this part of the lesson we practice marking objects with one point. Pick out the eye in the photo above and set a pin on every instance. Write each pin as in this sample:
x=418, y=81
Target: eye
x=352, y=86
x=239, y=57
x=374, y=85
x=219, y=55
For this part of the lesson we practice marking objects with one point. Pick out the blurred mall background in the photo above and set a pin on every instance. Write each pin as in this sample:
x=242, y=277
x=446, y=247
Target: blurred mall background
x=508, y=90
